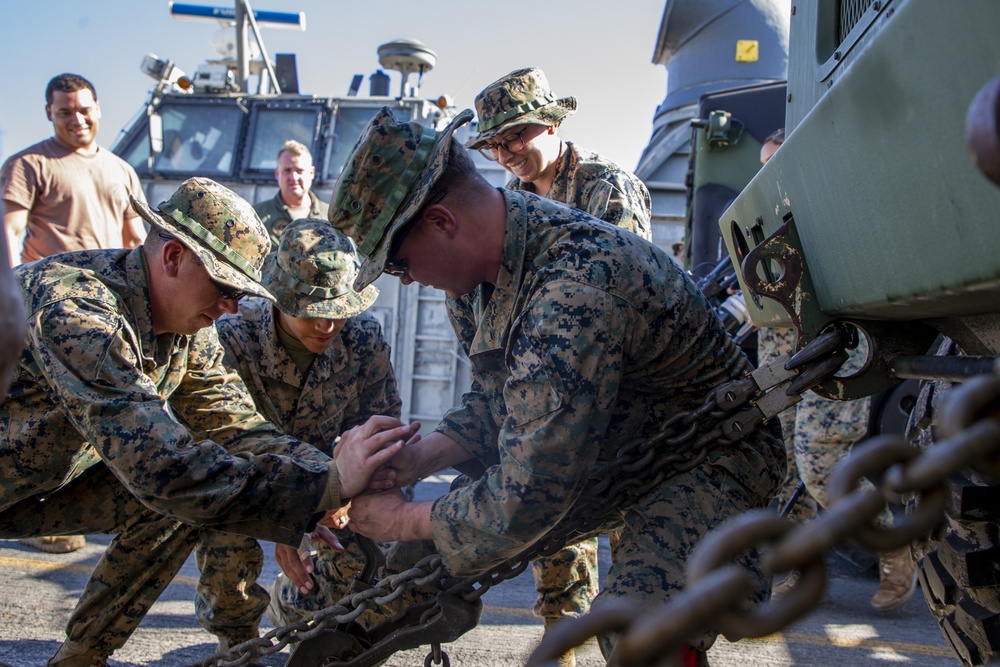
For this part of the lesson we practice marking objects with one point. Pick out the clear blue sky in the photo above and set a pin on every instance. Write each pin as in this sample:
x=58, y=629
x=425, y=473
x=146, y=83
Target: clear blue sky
x=600, y=52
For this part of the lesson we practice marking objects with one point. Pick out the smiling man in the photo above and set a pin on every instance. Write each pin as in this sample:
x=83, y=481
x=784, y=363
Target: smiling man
x=67, y=193
x=587, y=338
x=518, y=120
x=295, y=199
x=121, y=417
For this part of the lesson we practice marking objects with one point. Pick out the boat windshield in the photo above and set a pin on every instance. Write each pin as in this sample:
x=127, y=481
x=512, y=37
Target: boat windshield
x=347, y=128
x=197, y=138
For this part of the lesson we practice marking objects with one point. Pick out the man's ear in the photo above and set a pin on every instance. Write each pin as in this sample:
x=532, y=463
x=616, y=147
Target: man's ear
x=441, y=219
x=171, y=255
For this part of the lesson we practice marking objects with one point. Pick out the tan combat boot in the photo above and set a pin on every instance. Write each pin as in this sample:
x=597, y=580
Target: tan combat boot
x=59, y=544
x=75, y=654
x=898, y=579
x=567, y=659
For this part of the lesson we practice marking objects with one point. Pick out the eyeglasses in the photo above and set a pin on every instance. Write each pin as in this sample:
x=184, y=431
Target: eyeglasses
x=395, y=268
x=228, y=291
x=393, y=265
x=511, y=144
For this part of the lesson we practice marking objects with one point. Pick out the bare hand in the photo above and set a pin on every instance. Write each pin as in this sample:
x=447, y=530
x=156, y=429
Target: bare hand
x=298, y=571
x=297, y=564
x=399, y=472
x=336, y=520
x=367, y=448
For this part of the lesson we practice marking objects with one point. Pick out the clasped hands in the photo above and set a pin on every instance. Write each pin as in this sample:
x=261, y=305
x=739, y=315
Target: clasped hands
x=362, y=455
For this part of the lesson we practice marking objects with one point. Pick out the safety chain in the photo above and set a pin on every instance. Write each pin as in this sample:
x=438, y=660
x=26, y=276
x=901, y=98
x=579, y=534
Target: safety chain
x=969, y=432
x=729, y=413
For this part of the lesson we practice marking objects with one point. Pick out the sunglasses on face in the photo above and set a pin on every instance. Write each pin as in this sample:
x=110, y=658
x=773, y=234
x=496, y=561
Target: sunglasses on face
x=395, y=266
x=228, y=291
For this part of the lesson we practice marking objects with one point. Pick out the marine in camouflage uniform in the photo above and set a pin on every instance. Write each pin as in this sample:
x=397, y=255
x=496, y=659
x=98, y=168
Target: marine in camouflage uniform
x=122, y=419
x=522, y=100
x=588, y=338
x=294, y=172
x=275, y=215
x=316, y=365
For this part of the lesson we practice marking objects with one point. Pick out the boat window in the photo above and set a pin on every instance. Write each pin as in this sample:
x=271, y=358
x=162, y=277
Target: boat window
x=198, y=140
x=346, y=130
x=273, y=127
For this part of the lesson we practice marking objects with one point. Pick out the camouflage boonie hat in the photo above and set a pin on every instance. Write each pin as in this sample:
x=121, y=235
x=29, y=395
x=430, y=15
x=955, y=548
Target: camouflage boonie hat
x=520, y=98
x=385, y=183
x=219, y=227
x=312, y=273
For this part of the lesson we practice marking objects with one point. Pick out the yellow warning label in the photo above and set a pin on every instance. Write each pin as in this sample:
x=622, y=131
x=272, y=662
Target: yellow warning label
x=747, y=50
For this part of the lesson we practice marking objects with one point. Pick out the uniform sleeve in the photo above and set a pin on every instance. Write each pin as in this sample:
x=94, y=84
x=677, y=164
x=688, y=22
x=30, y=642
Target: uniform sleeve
x=623, y=202
x=565, y=361
x=88, y=355
x=472, y=426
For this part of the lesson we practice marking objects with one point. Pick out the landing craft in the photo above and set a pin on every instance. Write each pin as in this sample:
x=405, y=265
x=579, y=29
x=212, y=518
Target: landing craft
x=227, y=121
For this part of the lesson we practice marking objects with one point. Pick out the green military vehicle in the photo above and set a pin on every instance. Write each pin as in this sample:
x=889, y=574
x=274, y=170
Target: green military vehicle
x=879, y=214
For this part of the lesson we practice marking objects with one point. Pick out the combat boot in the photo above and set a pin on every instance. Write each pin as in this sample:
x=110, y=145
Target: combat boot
x=897, y=579
x=567, y=659
x=75, y=654
x=58, y=544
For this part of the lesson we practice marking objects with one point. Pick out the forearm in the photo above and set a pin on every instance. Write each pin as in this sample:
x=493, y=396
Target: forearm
x=12, y=324
x=413, y=522
x=15, y=219
x=133, y=232
x=436, y=452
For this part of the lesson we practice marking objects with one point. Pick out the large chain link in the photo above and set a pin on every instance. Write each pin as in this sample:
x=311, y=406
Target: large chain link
x=969, y=432
x=729, y=413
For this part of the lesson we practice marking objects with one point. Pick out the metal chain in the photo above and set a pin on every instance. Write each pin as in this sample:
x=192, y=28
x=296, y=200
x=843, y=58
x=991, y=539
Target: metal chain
x=729, y=413
x=716, y=590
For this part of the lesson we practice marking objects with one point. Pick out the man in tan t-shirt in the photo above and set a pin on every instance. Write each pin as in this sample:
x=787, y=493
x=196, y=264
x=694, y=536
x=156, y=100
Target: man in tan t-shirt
x=66, y=192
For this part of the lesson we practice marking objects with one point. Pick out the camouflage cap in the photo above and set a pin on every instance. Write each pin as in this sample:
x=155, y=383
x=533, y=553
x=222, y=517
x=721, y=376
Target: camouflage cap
x=522, y=97
x=385, y=183
x=219, y=227
x=312, y=273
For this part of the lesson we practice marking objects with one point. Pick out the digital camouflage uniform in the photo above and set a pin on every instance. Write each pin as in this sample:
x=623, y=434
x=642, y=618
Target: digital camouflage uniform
x=818, y=432
x=346, y=384
x=566, y=581
x=275, y=215
x=598, y=186
x=110, y=428
x=591, y=338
